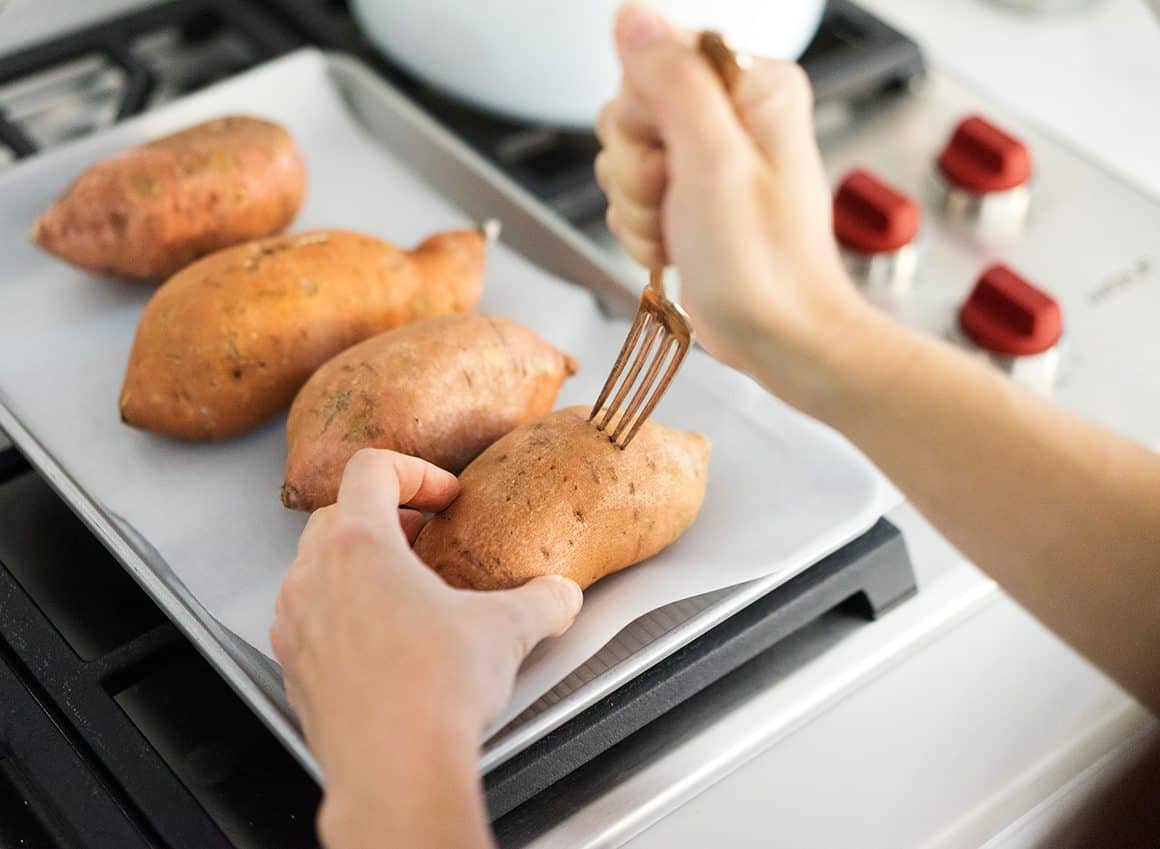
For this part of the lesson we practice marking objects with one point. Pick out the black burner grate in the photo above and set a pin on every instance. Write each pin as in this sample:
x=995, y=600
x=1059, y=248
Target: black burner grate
x=854, y=56
x=127, y=47
x=123, y=738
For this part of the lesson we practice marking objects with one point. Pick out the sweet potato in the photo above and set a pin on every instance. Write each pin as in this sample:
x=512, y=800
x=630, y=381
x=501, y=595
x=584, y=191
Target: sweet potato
x=155, y=208
x=225, y=344
x=556, y=497
x=442, y=389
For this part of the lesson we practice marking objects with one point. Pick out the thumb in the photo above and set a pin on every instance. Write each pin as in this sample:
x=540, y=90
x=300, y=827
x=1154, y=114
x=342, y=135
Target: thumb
x=774, y=101
x=694, y=115
x=543, y=607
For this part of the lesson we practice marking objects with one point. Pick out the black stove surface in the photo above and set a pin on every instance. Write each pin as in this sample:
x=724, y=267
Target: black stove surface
x=114, y=732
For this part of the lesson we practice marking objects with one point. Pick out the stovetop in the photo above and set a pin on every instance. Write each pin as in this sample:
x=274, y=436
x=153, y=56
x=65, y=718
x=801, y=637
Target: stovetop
x=113, y=730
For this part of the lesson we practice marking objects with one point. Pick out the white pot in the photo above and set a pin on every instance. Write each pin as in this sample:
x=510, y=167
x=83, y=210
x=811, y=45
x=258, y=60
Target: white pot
x=553, y=61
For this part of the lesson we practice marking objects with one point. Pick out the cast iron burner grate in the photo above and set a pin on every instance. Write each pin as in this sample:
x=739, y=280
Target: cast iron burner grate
x=85, y=81
x=853, y=58
x=82, y=82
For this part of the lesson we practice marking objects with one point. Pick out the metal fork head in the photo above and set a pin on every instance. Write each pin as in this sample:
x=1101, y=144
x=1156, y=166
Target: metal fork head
x=660, y=334
x=661, y=331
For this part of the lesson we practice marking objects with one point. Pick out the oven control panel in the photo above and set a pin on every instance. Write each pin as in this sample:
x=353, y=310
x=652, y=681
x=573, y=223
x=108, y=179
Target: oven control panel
x=966, y=223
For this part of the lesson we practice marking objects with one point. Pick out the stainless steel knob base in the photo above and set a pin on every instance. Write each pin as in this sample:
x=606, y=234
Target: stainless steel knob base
x=887, y=275
x=1036, y=372
x=991, y=217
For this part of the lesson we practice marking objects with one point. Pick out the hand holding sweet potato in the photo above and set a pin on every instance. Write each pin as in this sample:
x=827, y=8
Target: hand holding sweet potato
x=442, y=389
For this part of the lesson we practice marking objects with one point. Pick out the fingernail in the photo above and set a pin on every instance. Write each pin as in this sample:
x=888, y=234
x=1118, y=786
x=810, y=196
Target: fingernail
x=640, y=25
x=573, y=593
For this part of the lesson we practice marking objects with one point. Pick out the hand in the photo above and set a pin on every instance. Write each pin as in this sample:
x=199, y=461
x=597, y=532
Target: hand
x=733, y=193
x=380, y=657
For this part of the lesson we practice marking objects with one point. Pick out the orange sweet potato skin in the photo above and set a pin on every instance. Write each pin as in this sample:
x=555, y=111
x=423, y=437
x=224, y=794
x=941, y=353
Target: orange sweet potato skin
x=155, y=208
x=442, y=389
x=556, y=497
x=225, y=344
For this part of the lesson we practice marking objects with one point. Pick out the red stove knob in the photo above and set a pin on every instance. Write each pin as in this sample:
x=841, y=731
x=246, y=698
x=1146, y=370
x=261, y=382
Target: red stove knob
x=1008, y=316
x=871, y=216
x=982, y=158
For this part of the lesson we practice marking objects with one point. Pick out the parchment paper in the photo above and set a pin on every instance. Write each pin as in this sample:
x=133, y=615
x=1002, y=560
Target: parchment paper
x=783, y=490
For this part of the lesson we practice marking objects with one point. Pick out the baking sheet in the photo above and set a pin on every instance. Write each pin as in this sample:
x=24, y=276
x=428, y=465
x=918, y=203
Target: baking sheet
x=783, y=491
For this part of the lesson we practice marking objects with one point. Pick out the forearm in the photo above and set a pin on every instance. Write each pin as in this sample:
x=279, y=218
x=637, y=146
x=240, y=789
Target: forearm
x=413, y=785
x=1063, y=514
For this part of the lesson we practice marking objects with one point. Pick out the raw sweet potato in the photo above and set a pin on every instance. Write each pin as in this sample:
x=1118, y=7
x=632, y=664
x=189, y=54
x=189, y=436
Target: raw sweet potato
x=225, y=344
x=155, y=208
x=442, y=389
x=556, y=497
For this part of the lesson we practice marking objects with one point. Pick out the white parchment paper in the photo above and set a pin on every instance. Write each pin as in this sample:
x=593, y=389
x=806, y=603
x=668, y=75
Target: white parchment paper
x=783, y=491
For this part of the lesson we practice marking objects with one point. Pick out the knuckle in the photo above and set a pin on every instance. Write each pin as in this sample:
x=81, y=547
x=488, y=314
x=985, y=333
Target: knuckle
x=682, y=68
x=365, y=456
x=653, y=171
x=649, y=254
x=279, y=642
x=293, y=591
x=799, y=88
x=517, y=621
x=349, y=533
x=605, y=120
x=600, y=169
x=612, y=219
x=783, y=85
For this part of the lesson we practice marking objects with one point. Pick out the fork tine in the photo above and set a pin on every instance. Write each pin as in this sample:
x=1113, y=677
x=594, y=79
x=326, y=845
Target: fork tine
x=674, y=364
x=638, y=324
x=662, y=353
x=638, y=362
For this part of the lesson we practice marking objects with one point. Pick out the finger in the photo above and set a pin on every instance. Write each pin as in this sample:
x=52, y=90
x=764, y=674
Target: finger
x=644, y=221
x=679, y=88
x=282, y=641
x=377, y=481
x=626, y=115
x=638, y=170
x=315, y=529
x=774, y=101
x=545, y=607
x=648, y=252
x=412, y=522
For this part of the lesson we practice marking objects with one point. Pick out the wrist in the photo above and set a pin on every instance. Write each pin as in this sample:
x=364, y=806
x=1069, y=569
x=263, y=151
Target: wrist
x=834, y=363
x=395, y=729
x=406, y=787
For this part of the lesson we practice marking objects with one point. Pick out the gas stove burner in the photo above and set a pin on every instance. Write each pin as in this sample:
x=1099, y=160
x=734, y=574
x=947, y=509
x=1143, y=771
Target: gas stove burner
x=87, y=81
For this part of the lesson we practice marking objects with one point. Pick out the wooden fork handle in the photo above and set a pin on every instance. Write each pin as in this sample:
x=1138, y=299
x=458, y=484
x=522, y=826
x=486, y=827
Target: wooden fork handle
x=717, y=52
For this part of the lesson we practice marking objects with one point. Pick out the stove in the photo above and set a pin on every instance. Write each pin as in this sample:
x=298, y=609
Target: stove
x=114, y=730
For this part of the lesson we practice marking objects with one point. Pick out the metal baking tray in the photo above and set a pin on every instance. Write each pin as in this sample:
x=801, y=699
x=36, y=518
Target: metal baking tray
x=463, y=177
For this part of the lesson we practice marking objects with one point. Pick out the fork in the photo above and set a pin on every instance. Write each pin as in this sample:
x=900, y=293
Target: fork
x=661, y=327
